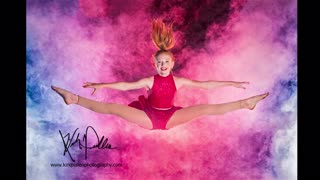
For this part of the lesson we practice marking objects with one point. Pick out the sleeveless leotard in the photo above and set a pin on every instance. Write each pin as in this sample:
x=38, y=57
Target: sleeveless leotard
x=159, y=104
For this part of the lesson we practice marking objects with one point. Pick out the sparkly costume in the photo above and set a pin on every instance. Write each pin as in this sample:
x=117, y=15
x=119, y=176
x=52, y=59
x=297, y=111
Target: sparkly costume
x=160, y=96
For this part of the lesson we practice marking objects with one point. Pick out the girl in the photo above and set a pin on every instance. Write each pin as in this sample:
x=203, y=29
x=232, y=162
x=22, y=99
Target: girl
x=157, y=111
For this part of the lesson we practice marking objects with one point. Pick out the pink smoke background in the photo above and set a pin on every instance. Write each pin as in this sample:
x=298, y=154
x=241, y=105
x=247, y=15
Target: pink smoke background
x=108, y=41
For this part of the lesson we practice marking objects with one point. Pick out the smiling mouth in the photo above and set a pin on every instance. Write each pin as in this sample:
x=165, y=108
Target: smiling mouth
x=163, y=69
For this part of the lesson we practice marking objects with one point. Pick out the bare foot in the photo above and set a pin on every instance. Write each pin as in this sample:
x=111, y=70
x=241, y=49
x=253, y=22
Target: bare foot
x=251, y=102
x=68, y=97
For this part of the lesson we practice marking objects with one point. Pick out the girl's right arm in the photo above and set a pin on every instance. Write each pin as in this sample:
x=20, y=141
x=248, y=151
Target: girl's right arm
x=123, y=86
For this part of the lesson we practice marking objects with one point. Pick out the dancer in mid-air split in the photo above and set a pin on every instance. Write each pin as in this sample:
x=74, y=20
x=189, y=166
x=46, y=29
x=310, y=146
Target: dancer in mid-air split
x=158, y=111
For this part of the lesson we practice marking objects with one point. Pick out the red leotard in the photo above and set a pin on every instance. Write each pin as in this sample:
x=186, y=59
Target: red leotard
x=161, y=95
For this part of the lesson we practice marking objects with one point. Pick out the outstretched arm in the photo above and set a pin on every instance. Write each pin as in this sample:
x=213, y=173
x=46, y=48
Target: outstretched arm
x=208, y=84
x=123, y=86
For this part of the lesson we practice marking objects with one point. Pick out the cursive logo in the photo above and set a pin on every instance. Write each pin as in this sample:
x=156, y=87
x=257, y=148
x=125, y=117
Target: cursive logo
x=74, y=139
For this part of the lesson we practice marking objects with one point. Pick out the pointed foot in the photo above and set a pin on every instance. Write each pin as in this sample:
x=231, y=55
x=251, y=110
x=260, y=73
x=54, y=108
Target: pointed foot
x=251, y=102
x=68, y=97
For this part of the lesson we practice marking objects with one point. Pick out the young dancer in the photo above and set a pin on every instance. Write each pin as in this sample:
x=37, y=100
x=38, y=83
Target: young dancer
x=157, y=111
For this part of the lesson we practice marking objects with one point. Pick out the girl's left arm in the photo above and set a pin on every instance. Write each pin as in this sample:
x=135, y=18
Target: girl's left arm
x=208, y=84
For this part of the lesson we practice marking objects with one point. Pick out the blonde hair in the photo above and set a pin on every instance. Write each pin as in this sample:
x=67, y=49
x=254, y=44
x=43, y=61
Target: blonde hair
x=162, y=37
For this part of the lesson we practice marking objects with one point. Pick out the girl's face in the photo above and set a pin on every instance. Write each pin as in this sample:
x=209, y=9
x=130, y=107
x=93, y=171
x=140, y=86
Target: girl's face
x=164, y=64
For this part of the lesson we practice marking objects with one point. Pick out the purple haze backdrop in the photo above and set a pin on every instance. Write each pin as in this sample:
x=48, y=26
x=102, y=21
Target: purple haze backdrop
x=71, y=42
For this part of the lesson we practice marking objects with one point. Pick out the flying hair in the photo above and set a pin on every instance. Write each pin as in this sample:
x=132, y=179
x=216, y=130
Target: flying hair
x=162, y=35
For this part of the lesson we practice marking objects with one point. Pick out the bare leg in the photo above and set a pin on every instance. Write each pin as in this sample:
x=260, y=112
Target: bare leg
x=128, y=113
x=187, y=114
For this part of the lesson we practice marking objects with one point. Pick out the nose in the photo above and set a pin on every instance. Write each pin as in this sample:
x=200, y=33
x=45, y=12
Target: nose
x=162, y=63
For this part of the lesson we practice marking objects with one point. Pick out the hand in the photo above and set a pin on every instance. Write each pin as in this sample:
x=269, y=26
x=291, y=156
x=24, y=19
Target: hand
x=239, y=84
x=95, y=86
